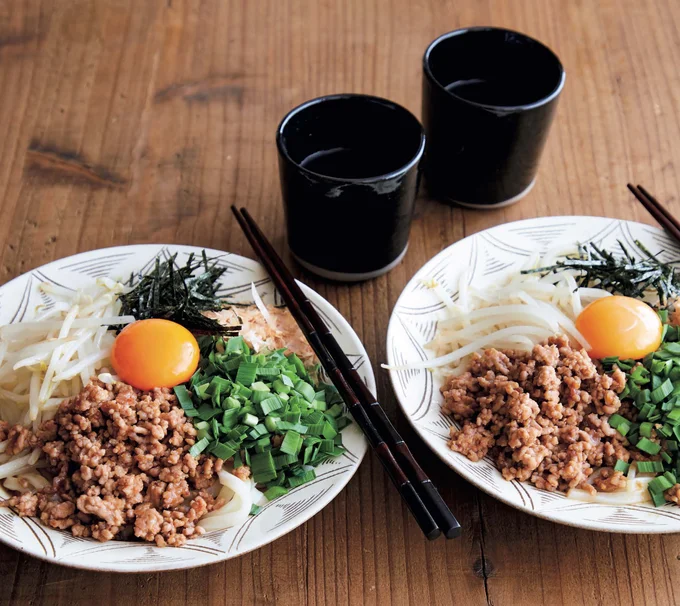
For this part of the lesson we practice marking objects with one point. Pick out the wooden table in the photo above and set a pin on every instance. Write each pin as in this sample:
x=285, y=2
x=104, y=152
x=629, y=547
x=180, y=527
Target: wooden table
x=143, y=120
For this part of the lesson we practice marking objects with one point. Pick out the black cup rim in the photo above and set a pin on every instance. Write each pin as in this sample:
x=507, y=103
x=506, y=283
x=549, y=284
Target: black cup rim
x=509, y=108
x=345, y=96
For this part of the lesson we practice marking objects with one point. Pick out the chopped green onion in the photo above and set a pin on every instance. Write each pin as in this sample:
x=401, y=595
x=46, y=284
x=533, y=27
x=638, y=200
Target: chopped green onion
x=250, y=419
x=270, y=423
x=258, y=431
x=298, y=365
x=315, y=429
x=655, y=416
x=306, y=390
x=286, y=426
x=640, y=375
x=231, y=403
x=649, y=466
x=645, y=411
x=183, y=397
x=314, y=416
x=673, y=348
x=658, y=367
x=648, y=446
x=263, y=444
x=262, y=467
x=199, y=447
x=230, y=418
x=659, y=485
x=615, y=420
x=658, y=498
x=620, y=465
x=307, y=476
x=292, y=442
x=270, y=404
x=291, y=417
x=279, y=480
x=641, y=396
x=666, y=430
x=286, y=380
x=233, y=364
x=259, y=396
x=646, y=429
x=206, y=411
x=222, y=451
x=241, y=400
x=237, y=345
x=267, y=371
x=246, y=374
x=275, y=492
x=336, y=410
x=219, y=384
x=663, y=390
x=284, y=460
x=328, y=446
x=328, y=430
x=647, y=360
x=624, y=428
x=281, y=387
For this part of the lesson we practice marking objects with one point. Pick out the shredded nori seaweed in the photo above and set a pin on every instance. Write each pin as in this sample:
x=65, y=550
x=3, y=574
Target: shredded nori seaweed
x=625, y=275
x=179, y=293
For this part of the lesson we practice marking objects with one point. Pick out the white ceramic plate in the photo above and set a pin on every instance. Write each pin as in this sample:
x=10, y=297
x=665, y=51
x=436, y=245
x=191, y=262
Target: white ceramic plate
x=18, y=300
x=489, y=255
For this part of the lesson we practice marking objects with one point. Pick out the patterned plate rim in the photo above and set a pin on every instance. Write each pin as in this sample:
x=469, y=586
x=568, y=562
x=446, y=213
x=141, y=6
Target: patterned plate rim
x=328, y=312
x=453, y=459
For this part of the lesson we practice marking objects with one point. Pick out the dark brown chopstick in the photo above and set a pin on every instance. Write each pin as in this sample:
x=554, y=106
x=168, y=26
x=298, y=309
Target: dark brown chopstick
x=423, y=485
x=664, y=218
x=277, y=271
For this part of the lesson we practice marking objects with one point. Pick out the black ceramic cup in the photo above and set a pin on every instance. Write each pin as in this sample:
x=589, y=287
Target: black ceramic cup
x=489, y=96
x=349, y=168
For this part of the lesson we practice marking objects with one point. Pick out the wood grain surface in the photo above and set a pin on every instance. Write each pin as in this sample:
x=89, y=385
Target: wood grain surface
x=128, y=121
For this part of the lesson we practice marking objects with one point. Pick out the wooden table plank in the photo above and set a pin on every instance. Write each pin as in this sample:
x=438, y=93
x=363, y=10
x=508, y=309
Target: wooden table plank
x=128, y=122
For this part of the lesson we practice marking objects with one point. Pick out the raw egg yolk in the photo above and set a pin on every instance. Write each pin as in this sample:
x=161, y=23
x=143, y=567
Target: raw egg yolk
x=155, y=353
x=620, y=326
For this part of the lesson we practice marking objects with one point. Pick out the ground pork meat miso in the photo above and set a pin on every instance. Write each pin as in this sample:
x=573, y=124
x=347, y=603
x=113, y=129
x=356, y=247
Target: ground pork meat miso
x=121, y=466
x=542, y=416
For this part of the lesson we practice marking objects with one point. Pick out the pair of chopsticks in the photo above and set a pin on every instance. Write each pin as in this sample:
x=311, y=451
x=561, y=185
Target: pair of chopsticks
x=665, y=219
x=425, y=503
